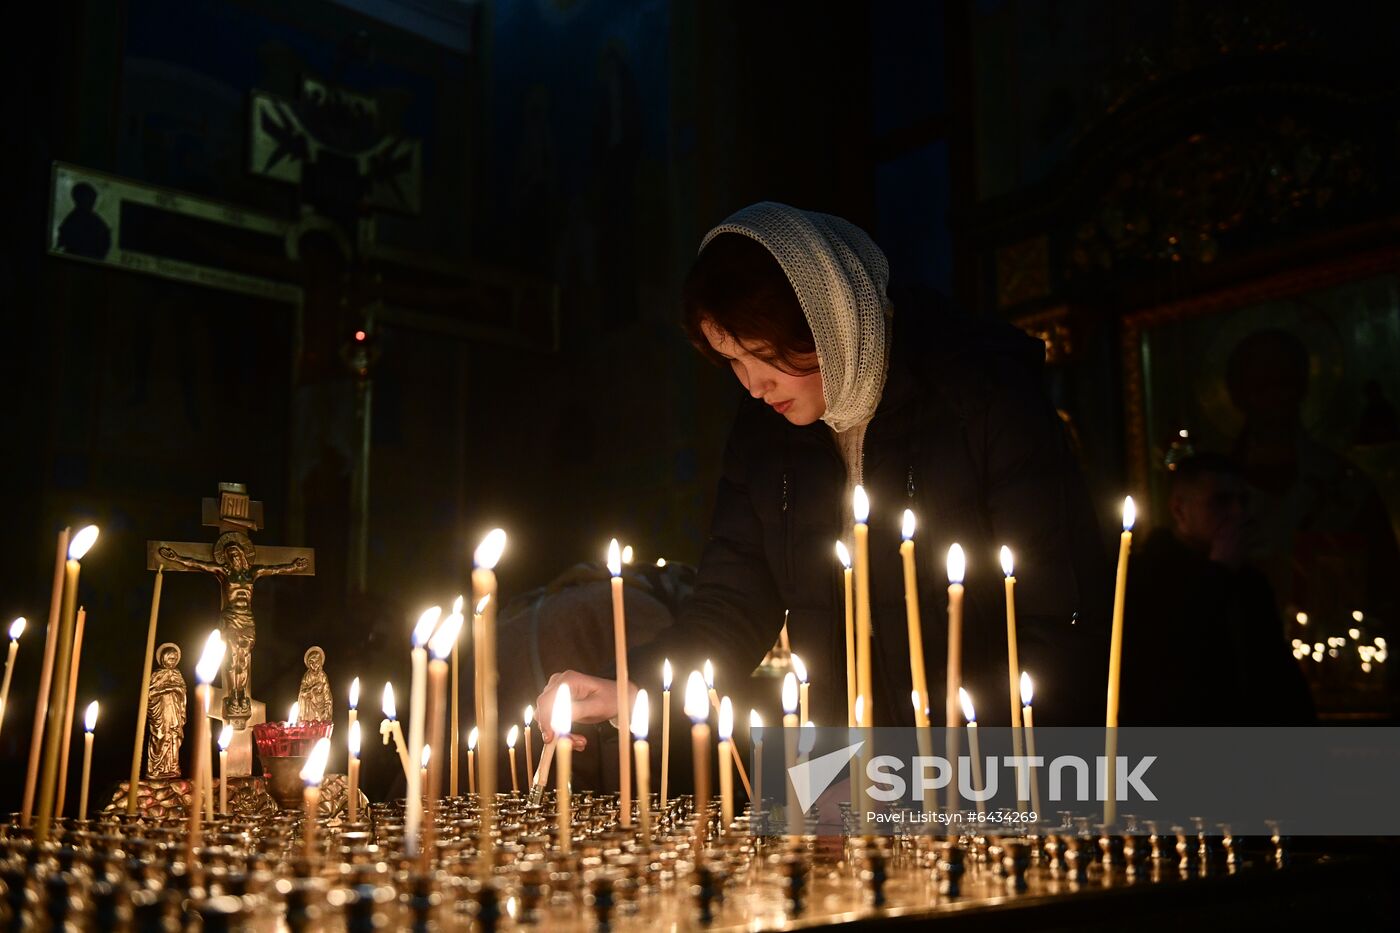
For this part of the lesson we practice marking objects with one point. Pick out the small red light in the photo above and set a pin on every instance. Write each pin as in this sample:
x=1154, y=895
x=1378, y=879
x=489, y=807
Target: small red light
x=360, y=336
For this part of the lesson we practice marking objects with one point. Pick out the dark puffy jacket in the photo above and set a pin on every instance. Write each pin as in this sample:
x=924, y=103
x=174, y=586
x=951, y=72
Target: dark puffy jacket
x=965, y=436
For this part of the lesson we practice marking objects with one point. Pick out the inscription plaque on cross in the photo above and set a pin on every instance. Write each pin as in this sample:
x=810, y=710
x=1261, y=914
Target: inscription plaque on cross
x=234, y=562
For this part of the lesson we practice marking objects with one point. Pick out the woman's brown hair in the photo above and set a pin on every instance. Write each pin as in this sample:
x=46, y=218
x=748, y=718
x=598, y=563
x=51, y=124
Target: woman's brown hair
x=737, y=286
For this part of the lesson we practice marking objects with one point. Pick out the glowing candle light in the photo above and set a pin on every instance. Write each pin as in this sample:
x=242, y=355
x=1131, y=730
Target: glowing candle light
x=957, y=566
x=89, y=726
x=294, y=713
x=640, y=721
x=561, y=723
x=755, y=725
x=1027, y=691
x=512, y=737
x=624, y=760
x=472, y=738
x=1013, y=661
x=424, y=761
x=698, y=710
x=913, y=618
x=389, y=728
x=311, y=774
x=665, y=728
x=726, y=772
x=225, y=739
x=352, y=744
x=69, y=709
x=210, y=660
x=860, y=509
x=440, y=648
x=58, y=688
x=800, y=669
x=16, y=630
x=41, y=706
x=627, y=554
x=790, y=729
x=1115, y=661
x=970, y=714
x=417, y=713
x=454, y=725
x=708, y=669
x=844, y=557
x=484, y=559
x=529, y=743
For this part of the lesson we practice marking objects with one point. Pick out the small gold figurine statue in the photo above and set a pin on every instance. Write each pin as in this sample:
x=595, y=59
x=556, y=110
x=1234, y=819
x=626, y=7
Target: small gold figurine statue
x=165, y=714
x=315, y=693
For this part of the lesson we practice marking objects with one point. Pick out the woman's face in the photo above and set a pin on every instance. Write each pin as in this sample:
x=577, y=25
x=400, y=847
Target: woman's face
x=797, y=398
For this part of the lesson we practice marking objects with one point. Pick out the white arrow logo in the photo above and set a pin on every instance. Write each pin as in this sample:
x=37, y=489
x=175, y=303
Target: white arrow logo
x=811, y=778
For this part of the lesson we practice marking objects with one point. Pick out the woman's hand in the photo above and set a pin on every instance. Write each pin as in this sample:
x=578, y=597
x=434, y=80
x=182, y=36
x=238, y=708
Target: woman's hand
x=594, y=700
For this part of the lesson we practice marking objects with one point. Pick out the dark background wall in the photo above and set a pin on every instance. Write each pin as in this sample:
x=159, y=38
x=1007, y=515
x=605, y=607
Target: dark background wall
x=578, y=151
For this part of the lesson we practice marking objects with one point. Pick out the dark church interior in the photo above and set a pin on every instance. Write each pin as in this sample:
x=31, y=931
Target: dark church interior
x=330, y=289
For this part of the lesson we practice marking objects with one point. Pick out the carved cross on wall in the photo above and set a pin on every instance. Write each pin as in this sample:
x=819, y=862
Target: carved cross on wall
x=236, y=565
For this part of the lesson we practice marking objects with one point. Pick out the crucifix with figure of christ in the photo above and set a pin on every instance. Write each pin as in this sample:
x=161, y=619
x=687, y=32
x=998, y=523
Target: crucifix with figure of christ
x=234, y=563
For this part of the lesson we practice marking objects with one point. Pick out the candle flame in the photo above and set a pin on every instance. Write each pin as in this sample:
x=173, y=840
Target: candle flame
x=225, y=736
x=1027, y=689
x=666, y=674
x=1357, y=615
x=427, y=755
x=860, y=708
x=352, y=740
x=843, y=555
x=210, y=658
x=315, y=767
x=957, y=564
x=355, y=693
x=807, y=738
x=641, y=716
x=709, y=670
x=445, y=638
x=529, y=715
x=472, y=738
x=965, y=698
x=1302, y=618
x=457, y=604
x=427, y=622
x=482, y=603
x=390, y=710
x=919, y=706
x=1353, y=633
x=860, y=505
x=512, y=736
x=726, y=719
x=697, y=705
x=1129, y=513
x=1008, y=566
x=627, y=554
x=90, y=717
x=907, y=530
x=799, y=668
x=561, y=718
x=755, y=720
x=17, y=628
x=789, y=693
x=489, y=551
x=294, y=714
x=614, y=558
x=661, y=562
x=82, y=543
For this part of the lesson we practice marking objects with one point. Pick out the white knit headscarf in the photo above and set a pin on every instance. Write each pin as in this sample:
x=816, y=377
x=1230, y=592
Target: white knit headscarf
x=840, y=276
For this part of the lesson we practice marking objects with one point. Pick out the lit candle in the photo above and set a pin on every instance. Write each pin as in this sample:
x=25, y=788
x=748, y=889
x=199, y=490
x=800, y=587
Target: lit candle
x=665, y=728
x=800, y=669
x=69, y=711
x=844, y=557
x=16, y=630
x=627, y=554
x=389, y=728
x=353, y=714
x=1115, y=662
x=1013, y=662
x=207, y=788
x=311, y=774
x=957, y=565
x=440, y=649
x=641, y=714
x=423, y=762
x=417, y=712
x=970, y=714
x=529, y=743
x=561, y=722
x=210, y=660
x=1029, y=724
x=294, y=713
x=471, y=759
x=726, y=772
x=709, y=673
x=41, y=706
x=698, y=711
x=911, y=614
x=455, y=724
x=790, y=728
x=860, y=507
x=135, y=780
x=225, y=739
x=58, y=689
x=487, y=555
x=755, y=724
x=624, y=760
x=512, y=737
x=89, y=726
x=924, y=739
x=353, y=747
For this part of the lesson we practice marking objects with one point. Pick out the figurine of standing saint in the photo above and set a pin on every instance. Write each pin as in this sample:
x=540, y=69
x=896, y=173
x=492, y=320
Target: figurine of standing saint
x=165, y=714
x=315, y=693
